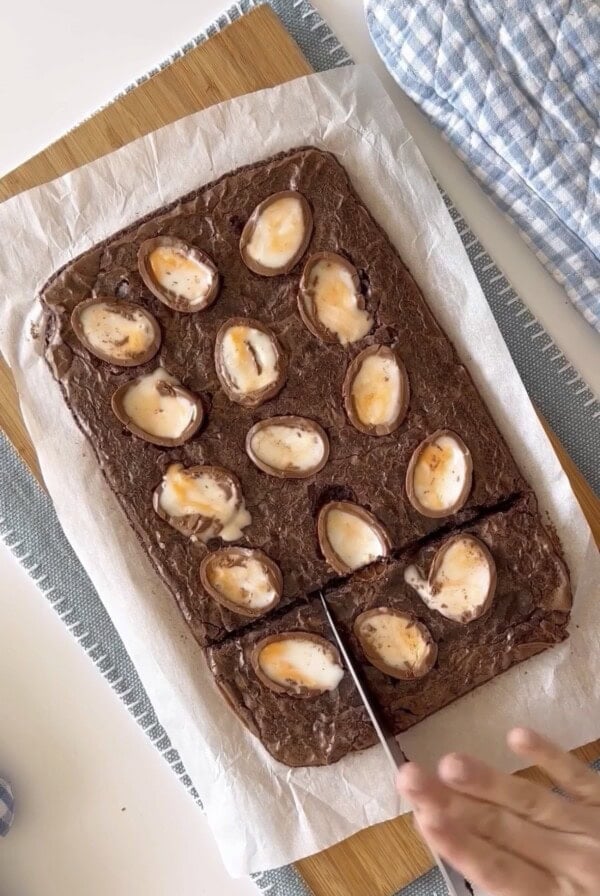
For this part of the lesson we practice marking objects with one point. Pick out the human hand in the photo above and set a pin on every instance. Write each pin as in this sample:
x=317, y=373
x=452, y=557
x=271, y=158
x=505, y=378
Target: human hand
x=508, y=835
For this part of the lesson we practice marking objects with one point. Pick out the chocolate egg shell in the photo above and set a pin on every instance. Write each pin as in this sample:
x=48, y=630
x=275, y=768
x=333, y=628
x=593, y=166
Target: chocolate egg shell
x=258, y=396
x=235, y=556
x=129, y=313
x=291, y=422
x=167, y=387
x=169, y=297
x=437, y=567
x=383, y=352
x=247, y=233
x=307, y=304
x=458, y=503
x=201, y=525
x=292, y=689
x=365, y=516
x=364, y=622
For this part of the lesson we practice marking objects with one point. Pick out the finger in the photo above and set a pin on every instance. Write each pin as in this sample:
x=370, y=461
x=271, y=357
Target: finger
x=567, y=772
x=545, y=848
x=422, y=789
x=526, y=799
x=540, y=846
x=484, y=864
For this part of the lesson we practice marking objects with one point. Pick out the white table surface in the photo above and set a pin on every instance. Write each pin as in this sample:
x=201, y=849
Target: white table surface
x=74, y=752
x=99, y=810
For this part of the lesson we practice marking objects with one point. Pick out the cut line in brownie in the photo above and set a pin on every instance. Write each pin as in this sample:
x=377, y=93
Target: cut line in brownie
x=361, y=468
x=529, y=613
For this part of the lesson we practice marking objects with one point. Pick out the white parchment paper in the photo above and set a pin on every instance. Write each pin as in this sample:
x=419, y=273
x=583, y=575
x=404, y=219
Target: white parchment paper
x=262, y=813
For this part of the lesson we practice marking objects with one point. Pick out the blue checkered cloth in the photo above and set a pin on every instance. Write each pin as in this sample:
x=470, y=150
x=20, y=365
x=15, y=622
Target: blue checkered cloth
x=7, y=807
x=515, y=88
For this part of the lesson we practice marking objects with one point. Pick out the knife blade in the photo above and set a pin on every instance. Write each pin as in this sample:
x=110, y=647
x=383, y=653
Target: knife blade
x=456, y=884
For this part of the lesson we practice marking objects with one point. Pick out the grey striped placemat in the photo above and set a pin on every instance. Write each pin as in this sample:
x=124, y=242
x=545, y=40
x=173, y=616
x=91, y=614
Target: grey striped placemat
x=29, y=526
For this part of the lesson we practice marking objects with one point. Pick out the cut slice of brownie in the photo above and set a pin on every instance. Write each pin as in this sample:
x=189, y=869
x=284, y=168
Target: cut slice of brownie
x=296, y=730
x=528, y=613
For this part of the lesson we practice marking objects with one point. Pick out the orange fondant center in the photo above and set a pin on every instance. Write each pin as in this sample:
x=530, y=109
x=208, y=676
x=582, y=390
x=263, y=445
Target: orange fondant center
x=273, y=657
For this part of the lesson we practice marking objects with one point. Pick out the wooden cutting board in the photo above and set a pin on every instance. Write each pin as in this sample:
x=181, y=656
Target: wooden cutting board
x=253, y=53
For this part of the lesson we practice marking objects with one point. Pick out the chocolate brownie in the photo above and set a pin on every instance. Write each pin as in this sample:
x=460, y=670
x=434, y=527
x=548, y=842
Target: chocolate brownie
x=313, y=731
x=528, y=613
x=369, y=471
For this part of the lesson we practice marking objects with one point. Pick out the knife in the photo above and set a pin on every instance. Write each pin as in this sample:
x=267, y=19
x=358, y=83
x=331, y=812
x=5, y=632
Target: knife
x=455, y=883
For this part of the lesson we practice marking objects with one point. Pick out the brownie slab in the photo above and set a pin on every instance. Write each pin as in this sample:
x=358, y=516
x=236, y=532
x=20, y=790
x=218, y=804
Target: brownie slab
x=370, y=471
x=529, y=613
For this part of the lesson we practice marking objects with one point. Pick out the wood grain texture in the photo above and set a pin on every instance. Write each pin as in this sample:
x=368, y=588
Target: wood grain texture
x=12, y=423
x=253, y=53
x=231, y=63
